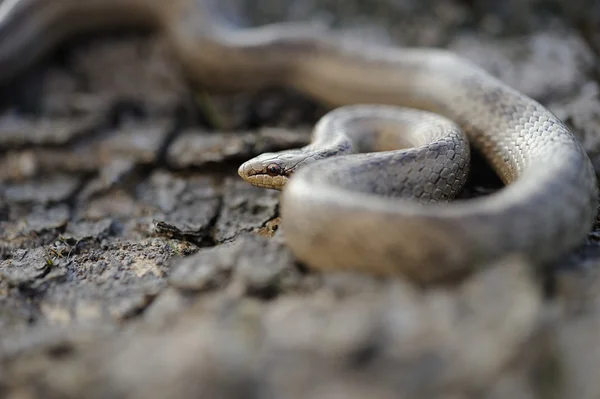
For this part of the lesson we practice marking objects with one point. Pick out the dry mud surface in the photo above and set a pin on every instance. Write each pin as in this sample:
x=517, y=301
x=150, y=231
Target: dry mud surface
x=134, y=262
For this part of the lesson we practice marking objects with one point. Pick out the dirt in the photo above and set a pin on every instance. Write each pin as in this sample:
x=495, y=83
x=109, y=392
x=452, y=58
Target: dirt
x=134, y=262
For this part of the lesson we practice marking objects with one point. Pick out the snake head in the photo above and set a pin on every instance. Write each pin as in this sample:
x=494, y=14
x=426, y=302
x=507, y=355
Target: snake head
x=272, y=170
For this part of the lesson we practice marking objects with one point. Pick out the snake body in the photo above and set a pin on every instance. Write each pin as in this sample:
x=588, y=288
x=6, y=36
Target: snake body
x=357, y=211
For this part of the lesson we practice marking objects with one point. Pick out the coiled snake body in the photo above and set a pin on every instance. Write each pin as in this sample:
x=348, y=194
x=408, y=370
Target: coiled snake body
x=359, y=211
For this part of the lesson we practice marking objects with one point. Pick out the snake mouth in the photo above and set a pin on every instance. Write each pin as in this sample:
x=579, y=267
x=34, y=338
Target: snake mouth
x=254, y=173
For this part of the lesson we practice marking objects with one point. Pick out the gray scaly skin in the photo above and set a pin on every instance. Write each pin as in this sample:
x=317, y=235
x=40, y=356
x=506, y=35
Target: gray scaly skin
x=333, y=219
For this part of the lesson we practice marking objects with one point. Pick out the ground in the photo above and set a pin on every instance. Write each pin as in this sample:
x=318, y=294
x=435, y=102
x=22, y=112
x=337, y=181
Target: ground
x=134, y=262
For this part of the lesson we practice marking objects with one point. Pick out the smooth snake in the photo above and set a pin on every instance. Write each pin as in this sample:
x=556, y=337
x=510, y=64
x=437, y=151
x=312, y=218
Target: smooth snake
x=382, y=212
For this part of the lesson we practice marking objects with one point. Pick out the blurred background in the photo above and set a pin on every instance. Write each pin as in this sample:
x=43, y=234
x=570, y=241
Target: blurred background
x=134, y=262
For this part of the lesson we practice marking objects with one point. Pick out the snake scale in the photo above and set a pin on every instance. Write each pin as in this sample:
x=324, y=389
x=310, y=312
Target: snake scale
x=382, y=212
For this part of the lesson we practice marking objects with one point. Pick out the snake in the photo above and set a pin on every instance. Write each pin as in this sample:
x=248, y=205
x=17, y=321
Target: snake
x=375, y=189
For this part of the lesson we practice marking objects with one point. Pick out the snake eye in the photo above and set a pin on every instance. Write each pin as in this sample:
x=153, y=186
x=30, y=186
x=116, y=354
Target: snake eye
x=274, y=170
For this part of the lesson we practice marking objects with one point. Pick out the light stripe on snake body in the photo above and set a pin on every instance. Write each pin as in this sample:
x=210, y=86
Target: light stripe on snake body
x=546, y=209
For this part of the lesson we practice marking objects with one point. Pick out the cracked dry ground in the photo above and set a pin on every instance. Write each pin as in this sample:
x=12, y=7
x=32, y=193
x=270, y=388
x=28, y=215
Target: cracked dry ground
x=135, y=263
